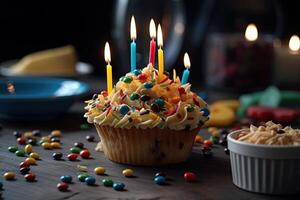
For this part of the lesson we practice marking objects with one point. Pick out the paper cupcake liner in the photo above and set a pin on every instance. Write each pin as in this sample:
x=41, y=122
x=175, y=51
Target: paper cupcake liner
x=148, y=147
x=264, y=168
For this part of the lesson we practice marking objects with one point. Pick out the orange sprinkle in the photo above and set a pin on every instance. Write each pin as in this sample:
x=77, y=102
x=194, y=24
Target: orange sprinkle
x=175, y=100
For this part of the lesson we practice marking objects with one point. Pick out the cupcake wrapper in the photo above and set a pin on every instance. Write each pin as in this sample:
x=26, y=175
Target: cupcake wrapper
x=148, y=147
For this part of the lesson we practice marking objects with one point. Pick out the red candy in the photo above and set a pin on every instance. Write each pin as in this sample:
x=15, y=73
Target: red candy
x=208, y=143
x=72, y=156
x=62, y=186
x=104, y=93
x=30, y=177
x=190, y=177
x=142, y=77
x=21, y=141
x=24, y=164
x=181, y=90
x=85, y=153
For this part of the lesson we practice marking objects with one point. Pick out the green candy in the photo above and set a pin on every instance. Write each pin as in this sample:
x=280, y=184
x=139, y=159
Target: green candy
x=20, y=153
x=214, y=139
x=190, y=109
x=107, y=182
x=12, y=149
x=75, y=150
x=81, y=177
x=134, y=96
x=127, y=79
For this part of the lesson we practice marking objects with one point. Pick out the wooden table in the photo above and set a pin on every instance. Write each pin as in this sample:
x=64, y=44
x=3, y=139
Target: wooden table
x=214, y=174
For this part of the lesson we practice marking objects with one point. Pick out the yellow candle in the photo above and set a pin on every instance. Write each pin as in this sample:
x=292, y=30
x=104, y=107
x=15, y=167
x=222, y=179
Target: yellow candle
x=108, y=68
x=160, y=53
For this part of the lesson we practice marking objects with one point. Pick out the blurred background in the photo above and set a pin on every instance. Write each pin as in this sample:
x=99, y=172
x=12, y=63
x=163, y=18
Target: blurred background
x=211, y=31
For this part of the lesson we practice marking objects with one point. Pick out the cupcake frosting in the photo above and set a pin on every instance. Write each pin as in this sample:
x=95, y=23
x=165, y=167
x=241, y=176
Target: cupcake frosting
x=140, y=100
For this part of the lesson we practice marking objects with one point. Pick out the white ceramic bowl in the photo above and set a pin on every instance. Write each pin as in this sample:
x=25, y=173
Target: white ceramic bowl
x=270, y=169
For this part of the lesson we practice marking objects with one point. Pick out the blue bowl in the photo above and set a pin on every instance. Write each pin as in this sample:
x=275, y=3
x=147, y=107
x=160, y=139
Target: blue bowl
x=38, y=98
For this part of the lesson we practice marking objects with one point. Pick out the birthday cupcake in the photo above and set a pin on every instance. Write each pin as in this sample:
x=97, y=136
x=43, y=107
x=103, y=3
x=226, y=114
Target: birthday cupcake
x=146, y=121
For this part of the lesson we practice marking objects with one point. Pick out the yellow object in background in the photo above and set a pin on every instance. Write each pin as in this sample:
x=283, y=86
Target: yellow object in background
x=230, y=103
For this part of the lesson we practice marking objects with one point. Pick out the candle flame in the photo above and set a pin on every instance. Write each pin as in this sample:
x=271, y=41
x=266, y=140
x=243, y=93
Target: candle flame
x=251, y=32
x=186, y=61
x=132, y=28
x=159, y=36
x=294, y=43
x=152, y=29
x=107, y=53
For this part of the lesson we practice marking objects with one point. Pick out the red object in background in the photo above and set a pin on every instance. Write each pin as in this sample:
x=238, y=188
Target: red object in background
x=152, y=52
x=280, y=115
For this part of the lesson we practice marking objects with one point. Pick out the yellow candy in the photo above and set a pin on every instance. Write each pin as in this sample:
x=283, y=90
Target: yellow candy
x=230, y=103
x=99, y=170
x=56, y=133
x=127, y=172
x=9, y=175
x=55, y=145
x=46, y=145
x=34, y=155
x=30, y=161
x=28, y=148
x=220, y=116
x=28, y=134
x=45, y=139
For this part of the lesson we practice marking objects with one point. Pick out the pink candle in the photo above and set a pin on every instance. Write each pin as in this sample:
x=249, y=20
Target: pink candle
x=152, y=48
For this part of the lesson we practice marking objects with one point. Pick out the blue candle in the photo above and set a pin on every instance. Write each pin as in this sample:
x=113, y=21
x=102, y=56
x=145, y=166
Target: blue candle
x=186, y=73
x=133, y=44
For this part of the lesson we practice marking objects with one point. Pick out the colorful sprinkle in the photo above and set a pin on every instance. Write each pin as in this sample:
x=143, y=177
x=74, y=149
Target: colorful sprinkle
x=148, y=85
x=205, y=112
x=124, y=109
x=134, y=96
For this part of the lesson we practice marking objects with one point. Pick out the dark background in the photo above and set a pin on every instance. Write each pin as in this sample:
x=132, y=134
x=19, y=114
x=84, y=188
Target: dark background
x=28, y=28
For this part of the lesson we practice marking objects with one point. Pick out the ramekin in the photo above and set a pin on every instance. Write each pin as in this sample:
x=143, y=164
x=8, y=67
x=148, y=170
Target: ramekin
x=269, y=169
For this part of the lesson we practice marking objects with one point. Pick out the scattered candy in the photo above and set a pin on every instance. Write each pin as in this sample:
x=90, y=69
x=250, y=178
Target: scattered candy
x=46, y=145
x=45, y=139
x=36, y=133
x=82, y=168
x=79, y=145
x=20, y=153
x=28, y=148
x=90, y=138
x=9, y=175
x=81, y=177
x=17, y=134
x=90, y=180
x=127, y=172
x=107, y=182
x=99, y=170
x=118, y=186
x=34, y=155
x=32, y=141
x=72, y=156
x=160, y=174
x=24, y=170
x=198, y=139
x=66, y=179
x=160, y=180
x=12, y=149
x=75, y=150
x=56, y=133
x=55, y=145
x=28, y=134
x=85, y=153
x=30, y=161
x=58, y=155
x=30, y=177
x=190, y=177
x=62, y=186
x=24, y=164
x=208, y=143
x=21, y=140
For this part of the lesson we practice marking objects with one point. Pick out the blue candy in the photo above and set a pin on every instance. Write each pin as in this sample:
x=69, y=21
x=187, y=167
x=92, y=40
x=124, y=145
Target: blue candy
x=136, y=72
x=90, y=180
x=148, y=85
x=205, y=112
x=66, y=179
x=124, y=109
x=160, y=102
x=160, y=180
x=118, y=186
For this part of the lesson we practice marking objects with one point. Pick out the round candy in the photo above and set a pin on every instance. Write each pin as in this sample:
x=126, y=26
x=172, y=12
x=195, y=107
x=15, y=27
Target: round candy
x=190, y=108
x=160, y=174
x=24, y=164
x=21, y=140
x=34, y=155
x=30, y=161
x=145, y=98
x=90, y=180
x=81, y=177
x=28, y=148
x=46, y=145
x=17, y=134
x=154, y=107
x=99, y=170
x=62, y=186
x=79, y=145
x=190, y=177
x=160, y=102
x=136, y=72
x=75, y=150
x=142, y=77
x=84, y=126
x=24, y=170
x=127, y=79
x=124, y=109
x=90, y=138
x=28, y=134
x=148, y=85
x=66, y=179
x=72, y=156
x=160, y=180
x=12, y=149
x=118, y=186
x=55, y=139
x=214, y=139
x=198, y=139
x=20, y=153
x=107, y=182
x=134, y=96
x=205, y=112
x=30, y=177
x=127, y=172
x=45, y=139
x=56, y=133
x=85, y=153
x=208, y=143
x=36, y=133
x=9, y=175
x=57, y=155
x=32, y=141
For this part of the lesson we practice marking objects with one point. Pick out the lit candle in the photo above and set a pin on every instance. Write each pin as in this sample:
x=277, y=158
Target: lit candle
x=294, y=44
x=187, y=65
x=152, y=42
x=251, y=33
x=108, y=68
x=133, y=44
x=160, y=53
